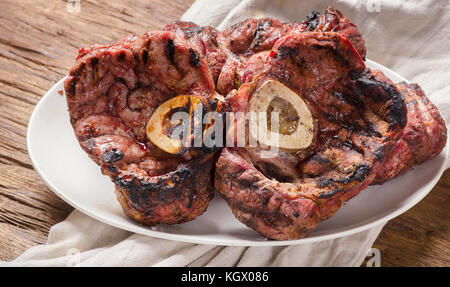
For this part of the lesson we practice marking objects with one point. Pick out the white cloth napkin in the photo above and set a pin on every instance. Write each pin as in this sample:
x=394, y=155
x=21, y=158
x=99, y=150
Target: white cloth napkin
x=410, y=37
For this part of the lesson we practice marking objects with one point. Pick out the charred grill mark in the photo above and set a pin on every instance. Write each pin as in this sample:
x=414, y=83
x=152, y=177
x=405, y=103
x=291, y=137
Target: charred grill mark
x=246, y=183
x=374, y=85
x=320, y=159
x=145, y=56
x=112, y=155
x=164, y=189
x=257, y=35
x=184, y=173
x=350, y=126
x=145, y=51
x=340, y=58
x=274, y=172
x=323, y=182
x=194, y=59
x=124, y=182
x=71, y=90
x=76, y=77
x=286, y=52
x=77, y=73
x=373, y=130
x=379, y=152
x=94, y=70
x=122, y=55
x=397, y=111
x=350, y=99
x=360, y=173
x=94, y=62
x=325, y=195
x=384, y=92
x=312, y=20
x=112, y=168
x=169, y=50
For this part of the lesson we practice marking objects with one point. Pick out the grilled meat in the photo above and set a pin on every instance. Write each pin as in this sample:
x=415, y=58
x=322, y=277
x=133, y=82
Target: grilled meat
x=423, y=137
x=228, y=52
x=255, y=35
x=112, y=92
x=204, y=40
x=357, y=118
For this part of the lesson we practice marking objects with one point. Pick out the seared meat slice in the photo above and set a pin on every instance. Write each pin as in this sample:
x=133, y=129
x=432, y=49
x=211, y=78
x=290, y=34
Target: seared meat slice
x=112, y=92
x=355, y=119
x=252, y=39
x=332, y=20
x=255, y=35
x=252, y=35
x=229, y=52
x=174, y=194
x=204, y=40
x=423, y=138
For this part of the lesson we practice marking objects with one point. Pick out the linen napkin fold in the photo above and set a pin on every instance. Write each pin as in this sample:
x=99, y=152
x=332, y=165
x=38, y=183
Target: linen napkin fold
x=83, y=241
x=409, y=37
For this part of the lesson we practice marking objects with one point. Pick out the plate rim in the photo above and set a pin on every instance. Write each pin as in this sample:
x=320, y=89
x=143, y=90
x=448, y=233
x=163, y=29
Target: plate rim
x=133, y=227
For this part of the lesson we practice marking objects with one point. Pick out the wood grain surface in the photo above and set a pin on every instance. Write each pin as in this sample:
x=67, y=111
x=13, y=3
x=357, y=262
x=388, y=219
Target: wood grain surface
x=38, y=43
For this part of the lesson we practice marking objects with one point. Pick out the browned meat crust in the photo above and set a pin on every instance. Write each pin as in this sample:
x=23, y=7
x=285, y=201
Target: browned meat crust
x=112, y=92
x=255, y=35
x=177, y=196
x=227, y=52
x=204, y=40
x=423, y=138
x=357, y=116
x=332, y=20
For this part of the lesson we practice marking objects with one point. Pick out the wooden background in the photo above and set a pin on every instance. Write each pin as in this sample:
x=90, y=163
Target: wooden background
x=38, y=43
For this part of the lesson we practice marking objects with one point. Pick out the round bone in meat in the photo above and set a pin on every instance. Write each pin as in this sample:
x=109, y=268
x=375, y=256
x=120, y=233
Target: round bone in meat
x=303, y=127
x=112, y=92
x=355, y=119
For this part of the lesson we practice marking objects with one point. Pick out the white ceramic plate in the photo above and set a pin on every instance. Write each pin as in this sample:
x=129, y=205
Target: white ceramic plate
x=69, y=172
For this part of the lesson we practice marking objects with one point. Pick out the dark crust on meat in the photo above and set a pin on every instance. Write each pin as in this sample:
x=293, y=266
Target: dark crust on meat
x=395, y=107
x=204, y=41
x=254, y=35
x=358, y=117
x=260, y=203
x=111, y=92
x=178, y=196
x=332, y=20
x=423, y=137
x=228, y=51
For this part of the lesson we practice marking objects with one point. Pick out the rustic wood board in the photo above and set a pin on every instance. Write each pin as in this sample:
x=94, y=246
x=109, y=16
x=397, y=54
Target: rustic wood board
x=38, y=43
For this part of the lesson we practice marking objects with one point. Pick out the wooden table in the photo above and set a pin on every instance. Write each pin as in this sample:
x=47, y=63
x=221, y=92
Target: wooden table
x=38, y=44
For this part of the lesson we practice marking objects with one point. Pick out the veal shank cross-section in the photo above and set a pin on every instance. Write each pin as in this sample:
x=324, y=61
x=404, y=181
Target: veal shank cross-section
x=112, y=91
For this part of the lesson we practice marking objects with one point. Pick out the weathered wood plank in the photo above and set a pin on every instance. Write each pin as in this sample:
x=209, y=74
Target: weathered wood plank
x=420, y=237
